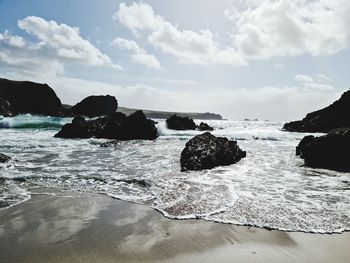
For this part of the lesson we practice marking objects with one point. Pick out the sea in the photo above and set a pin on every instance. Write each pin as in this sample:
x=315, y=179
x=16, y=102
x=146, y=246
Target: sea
x=270, y=188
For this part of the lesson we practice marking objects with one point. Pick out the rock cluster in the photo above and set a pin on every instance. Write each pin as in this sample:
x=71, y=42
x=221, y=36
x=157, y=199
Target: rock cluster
x=185, y=123
x=116, y=126
x=205, y=151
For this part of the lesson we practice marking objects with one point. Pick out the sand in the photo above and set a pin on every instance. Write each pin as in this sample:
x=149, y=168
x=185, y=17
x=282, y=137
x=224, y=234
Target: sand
x=71, y=227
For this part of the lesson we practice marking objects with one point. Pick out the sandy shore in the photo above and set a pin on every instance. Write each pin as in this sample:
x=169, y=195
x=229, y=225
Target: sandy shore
x=72, y=227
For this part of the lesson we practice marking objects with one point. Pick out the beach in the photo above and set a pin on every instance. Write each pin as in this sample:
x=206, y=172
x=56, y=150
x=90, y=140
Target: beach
x=83, y=227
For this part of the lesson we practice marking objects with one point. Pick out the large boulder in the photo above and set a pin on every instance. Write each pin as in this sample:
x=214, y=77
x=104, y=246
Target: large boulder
x=180, y=123
x=331, y=151
x=204, y=127
x=94, y=106
x=5, y=108
x=116, y=126
x=337, y=115
x=4, y=158
x=30, y=97
x=205, y=151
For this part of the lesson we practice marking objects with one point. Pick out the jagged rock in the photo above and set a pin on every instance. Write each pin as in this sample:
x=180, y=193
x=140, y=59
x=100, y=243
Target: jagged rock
x=5, y=108
x=116, y=126
x=331, y=151
x=337, y=115
x=204, y=127
x=180, y=123
x=94, y=106
x=30, y=97
x=205, y=151
x=4, y=158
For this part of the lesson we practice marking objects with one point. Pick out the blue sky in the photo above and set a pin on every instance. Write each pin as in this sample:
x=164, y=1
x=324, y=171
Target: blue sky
x=271, y=59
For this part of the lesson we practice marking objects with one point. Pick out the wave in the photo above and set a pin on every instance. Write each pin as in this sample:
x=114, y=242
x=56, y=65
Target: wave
x=32, y=122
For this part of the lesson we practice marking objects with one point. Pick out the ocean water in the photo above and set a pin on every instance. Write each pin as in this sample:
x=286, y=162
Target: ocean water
x=269, y=188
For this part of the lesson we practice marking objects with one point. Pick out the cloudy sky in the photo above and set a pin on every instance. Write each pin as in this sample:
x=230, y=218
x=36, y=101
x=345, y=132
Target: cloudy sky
x=267, y=59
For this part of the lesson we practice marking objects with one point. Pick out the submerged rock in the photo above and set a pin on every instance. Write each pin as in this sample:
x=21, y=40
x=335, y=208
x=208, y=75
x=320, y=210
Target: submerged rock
x=337, y=115
x=331, y=151
x=5, y=108
x=111, y=144
x=94, y=106
x=180, y=123
x=4, y=158
x=116, y=126
x=205, y=151
x=204, y=127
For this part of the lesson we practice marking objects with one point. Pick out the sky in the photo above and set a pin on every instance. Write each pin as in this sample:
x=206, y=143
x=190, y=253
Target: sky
x=265, y=59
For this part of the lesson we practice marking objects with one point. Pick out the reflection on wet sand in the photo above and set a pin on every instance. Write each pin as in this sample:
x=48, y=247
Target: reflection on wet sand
x=94, y=228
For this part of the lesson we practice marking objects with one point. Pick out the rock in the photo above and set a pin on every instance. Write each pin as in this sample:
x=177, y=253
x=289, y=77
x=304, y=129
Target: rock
x=180, y=123
x=4, y=158
x=5, y=108
x=204, y=127
x=111, y=144
x=29, y=97
x=331, y=151
x=116, y=126
x=337, y=115
x=205, y=151
x=94, y=106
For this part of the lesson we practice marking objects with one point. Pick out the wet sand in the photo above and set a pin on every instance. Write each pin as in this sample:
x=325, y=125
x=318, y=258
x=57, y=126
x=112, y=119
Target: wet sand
x=71, y=227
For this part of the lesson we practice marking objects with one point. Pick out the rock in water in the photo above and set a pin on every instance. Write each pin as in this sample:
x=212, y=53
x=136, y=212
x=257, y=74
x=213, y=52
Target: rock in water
x=205, y=151
x=331, y=151
x=180, y=123
x=332, y=117
x=116, y=126
x=5, y=108
x=4, y=158
x=30, y=97
x=94, y=106
x=204, y=127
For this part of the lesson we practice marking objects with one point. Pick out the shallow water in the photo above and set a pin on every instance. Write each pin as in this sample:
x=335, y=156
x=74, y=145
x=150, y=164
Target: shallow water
x=269, y=188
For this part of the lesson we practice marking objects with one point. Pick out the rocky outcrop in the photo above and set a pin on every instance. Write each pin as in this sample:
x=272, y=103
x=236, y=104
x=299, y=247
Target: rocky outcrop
x=4, y=158
x=205, y=151
x=116, y=126
x=332, y=117
x=180, y=123
x=204, y=127
x=5, y=108
x=94, y=106
x=30, y=97
x=331, y=151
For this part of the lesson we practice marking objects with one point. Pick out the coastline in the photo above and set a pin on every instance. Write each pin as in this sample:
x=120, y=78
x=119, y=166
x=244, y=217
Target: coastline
x=81, y=227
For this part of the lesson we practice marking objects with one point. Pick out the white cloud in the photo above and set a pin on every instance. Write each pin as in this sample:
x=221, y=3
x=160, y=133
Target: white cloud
x=58, y=45
x=269, y=28
x=139, y=55
x=187, y=46
x=261, y=30
x=319, y=82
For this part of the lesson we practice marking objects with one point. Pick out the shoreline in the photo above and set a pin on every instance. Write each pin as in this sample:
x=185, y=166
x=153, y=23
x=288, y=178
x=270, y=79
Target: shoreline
x=81, y=227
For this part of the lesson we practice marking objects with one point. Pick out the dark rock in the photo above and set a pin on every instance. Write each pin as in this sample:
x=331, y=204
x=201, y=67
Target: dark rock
x=205, y=151
x=4, y=158
x=331, y=151
x=337, y=115
x=5, y=108
x=116, y=126
x=113, y=143
x=30, y=97
x=180, y=123
x=305, y=141
x=204, y=127
x=94, y=106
